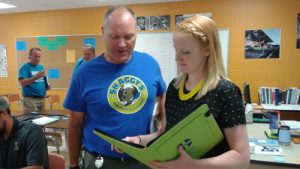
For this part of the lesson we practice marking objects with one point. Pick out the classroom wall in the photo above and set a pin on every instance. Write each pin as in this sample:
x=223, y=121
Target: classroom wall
x=236, y=15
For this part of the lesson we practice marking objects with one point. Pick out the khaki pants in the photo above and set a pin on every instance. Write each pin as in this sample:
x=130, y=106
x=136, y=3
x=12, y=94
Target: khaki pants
x=88, y=162
x=34, y=104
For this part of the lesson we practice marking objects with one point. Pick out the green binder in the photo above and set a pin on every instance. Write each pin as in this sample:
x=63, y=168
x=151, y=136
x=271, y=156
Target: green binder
x=197, y=133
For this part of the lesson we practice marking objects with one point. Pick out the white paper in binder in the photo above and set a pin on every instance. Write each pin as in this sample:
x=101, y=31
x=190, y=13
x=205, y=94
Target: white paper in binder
x=44, y=120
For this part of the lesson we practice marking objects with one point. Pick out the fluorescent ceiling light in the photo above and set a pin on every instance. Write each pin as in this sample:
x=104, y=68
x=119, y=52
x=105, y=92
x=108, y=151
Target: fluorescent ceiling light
x=3, y=6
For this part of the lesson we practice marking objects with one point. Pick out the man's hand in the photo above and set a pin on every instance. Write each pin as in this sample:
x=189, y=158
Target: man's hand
x=25, y=82
x=40, y=74
x=134, y=139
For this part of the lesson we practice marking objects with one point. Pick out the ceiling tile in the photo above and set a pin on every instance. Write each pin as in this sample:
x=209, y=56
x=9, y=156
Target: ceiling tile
x=40, y=5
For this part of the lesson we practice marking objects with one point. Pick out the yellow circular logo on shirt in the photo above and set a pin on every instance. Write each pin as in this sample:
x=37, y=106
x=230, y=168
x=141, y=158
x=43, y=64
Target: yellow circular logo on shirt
x=127, y=94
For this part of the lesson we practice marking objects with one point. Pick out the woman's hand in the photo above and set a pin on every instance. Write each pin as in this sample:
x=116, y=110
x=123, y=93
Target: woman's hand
x=184, y=161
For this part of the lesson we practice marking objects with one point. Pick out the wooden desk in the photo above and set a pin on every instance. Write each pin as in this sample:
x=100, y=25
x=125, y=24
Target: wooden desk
x=60, y=124
x=287, y=112
x=46, y=112
x=291, y=152
x=56, y=112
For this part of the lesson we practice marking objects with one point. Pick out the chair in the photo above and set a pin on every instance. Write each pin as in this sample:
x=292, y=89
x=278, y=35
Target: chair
x=56, y=161
x=53, y=99
x=14, y=98
x=54, y=139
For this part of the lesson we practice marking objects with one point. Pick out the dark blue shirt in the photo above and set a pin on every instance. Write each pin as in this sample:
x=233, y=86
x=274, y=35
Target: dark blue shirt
x=26, y=146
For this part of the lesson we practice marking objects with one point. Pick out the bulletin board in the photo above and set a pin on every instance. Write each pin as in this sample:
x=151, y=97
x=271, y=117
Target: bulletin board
x=59, y=65
x=59, y=54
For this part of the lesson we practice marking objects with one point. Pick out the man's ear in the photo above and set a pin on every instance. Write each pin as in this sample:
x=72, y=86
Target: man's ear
x=29, y=57
x=2, y=113
x=102, y=30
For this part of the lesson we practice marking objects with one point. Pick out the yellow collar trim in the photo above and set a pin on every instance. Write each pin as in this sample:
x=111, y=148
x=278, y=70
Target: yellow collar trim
x=189, y=95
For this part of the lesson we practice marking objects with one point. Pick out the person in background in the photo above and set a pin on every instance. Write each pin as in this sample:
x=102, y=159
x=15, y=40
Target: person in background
x=203, y=81
x=22, y=144
x=115, y=92
x=34, y=83
x=88, y=53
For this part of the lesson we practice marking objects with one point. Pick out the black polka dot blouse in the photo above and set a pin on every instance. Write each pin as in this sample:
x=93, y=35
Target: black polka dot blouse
x=224, y=102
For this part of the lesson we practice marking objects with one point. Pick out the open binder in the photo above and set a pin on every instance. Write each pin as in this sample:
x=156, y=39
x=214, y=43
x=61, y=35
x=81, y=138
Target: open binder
x=197, y=133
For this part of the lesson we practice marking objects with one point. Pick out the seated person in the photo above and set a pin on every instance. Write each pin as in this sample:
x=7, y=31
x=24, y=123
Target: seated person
x=22, y=144
x=88, y=53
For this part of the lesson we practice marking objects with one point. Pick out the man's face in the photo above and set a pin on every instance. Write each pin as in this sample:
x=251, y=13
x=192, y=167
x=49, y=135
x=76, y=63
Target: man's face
x=88, y=54
x=2, y=123
x=119, y=37
x=35, y=58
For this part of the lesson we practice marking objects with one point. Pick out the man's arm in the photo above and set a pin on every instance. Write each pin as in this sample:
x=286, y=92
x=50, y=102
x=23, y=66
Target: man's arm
x=36, y=148
x=76, y=121
x=161, y=112
x=145, y=139
x=28, y=81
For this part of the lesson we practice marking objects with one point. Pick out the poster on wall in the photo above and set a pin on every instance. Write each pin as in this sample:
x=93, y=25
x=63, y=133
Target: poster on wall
x=153, y=22
x=3, y=61
x=298, y=32
x=262, y=44
x=179, y=18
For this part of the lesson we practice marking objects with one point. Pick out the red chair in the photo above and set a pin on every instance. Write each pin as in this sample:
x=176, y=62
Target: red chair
x=56, y=161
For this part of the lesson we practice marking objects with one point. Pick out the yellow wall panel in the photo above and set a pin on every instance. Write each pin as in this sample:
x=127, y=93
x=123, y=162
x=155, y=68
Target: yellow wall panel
x=236, y=15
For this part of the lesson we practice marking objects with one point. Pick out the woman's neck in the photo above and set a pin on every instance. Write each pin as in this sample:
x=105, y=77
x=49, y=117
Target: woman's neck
x=193, y=79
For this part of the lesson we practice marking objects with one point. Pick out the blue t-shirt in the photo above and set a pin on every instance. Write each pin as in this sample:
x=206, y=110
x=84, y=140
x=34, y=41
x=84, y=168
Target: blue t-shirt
x=116, y=98
x=38, y=87
x=78, y=63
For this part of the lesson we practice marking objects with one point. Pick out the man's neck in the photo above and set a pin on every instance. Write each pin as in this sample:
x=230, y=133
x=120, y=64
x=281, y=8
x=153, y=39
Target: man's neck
x=107, y=58
x=34, y=64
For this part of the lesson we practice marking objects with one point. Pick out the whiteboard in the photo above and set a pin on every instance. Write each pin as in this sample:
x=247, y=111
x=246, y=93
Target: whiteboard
x=224, y=40
x=160, y=46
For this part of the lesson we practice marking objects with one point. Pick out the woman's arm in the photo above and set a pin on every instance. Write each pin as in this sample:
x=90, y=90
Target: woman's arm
x=236, y=158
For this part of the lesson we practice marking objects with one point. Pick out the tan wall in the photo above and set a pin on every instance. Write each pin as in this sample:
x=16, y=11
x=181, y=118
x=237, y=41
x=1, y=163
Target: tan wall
x=237, y=15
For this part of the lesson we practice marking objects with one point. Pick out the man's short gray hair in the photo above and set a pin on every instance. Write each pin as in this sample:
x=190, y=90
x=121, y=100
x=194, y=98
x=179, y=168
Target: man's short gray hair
x=112, y=9
x=89, y=47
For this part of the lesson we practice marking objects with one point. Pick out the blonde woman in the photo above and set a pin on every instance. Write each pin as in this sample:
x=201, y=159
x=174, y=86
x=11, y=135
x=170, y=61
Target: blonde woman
x=203, y=81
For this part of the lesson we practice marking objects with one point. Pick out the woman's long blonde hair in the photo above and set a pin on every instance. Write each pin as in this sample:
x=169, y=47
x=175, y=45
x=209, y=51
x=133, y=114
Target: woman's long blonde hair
x=205, y=30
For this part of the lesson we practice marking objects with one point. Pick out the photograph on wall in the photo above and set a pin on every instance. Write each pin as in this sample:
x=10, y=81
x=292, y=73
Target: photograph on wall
x=153, y=22
x=179, y=18
x=3, y=61
x=141, y=23
x=298, y=32
x=262, y=43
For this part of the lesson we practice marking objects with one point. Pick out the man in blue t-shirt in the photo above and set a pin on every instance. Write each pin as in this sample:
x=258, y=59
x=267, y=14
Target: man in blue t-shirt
x=34, y=82
x=88, y=53
x=114, y=92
